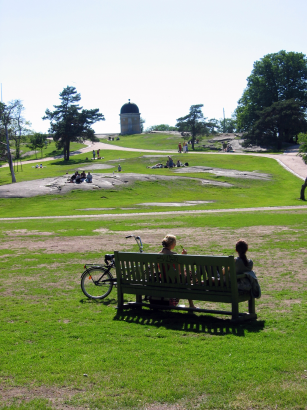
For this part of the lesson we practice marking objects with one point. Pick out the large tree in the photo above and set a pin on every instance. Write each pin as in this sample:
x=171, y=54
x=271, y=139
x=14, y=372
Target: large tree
x=194, y=123
x=280, y=121
x=8, y=113
x=70, y=122
x=276, y=78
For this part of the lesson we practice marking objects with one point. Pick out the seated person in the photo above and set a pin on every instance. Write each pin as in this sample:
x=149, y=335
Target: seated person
x=73, y=178
x=41, y=166
x=83, y=175
x=178, y=164
x=169, y=243
x=78, y=178
x=89, y=177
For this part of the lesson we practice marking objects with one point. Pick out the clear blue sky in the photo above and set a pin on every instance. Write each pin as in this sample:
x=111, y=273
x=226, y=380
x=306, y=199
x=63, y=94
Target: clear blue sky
x=165, y=55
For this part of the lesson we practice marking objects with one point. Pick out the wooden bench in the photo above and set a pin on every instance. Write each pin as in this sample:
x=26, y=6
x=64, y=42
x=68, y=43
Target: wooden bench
x=158, y=275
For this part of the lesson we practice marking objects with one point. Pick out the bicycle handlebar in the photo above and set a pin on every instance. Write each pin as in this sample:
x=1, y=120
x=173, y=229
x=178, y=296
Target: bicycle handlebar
x=138, y=241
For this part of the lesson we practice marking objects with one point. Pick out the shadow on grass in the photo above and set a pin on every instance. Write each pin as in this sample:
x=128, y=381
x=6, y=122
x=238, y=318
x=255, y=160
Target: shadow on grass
x=187, y=322
x=72, y=161
x=106, y=302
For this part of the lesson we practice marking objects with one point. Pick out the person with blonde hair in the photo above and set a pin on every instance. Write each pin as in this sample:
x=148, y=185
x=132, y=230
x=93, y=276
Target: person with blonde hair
x=169, y=243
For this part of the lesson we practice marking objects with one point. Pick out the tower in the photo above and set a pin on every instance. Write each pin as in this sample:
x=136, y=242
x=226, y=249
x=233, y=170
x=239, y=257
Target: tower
x=130, y=119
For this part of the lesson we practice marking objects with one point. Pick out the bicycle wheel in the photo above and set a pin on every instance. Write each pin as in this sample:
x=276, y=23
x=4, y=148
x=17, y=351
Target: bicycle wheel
x=96, y=282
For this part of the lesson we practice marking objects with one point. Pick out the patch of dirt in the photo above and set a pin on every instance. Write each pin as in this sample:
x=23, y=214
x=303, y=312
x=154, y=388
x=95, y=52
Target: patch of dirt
x=225, y=172
x=26, y=232
x=57, y=185
x=95, y=166
x=54, y=394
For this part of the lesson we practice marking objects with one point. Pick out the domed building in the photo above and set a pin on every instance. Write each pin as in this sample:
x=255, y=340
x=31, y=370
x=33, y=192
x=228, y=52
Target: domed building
x=130, y=119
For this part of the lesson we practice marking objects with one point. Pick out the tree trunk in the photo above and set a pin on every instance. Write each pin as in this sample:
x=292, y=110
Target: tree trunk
x=303, y=190
x=192, y=141
x=9, y=155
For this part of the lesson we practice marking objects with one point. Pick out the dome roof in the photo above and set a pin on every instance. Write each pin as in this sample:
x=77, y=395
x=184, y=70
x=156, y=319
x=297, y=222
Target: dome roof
x=129, y=108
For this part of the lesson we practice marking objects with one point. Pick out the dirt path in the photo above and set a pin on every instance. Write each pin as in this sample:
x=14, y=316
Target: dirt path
x=137, y=214
x=289, y=160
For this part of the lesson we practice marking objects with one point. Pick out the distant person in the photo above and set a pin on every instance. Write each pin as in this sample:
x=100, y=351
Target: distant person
x=170, y=162
x=184, y=147
x=41, y=166
x=178, y=164
x=78, y=178
x=179, y=147
x=83, y=176
x=89, y=177
x=98, y=153
x=94, y=153
x=73, y=178
x=119, y=168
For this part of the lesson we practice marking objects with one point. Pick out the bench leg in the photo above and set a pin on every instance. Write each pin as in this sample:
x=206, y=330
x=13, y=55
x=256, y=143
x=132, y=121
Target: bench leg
x=235, y=310
x=251, y=306
x=120, y=301
x=138, y=299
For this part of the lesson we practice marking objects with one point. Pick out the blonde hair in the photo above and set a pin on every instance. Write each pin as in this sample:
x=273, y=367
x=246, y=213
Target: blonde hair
x=168, y=241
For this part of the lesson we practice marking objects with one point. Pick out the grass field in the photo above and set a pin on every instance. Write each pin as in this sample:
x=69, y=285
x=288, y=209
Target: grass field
x=59, y=349
x=281, y=189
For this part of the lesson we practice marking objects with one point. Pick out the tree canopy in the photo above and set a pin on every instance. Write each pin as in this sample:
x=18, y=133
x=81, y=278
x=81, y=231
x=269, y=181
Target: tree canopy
x=70, y=122
x=302, y=139
x=277, y=84
x=194, y=123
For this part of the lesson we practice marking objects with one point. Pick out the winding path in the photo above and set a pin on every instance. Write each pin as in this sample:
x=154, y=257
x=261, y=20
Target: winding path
x=138, y=214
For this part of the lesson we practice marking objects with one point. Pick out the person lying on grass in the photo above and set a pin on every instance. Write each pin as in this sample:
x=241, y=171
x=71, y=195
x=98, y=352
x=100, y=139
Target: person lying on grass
x=169, y=243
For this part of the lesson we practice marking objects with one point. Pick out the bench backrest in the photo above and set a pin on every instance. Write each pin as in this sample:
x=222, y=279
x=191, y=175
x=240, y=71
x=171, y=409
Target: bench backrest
x=178, y=271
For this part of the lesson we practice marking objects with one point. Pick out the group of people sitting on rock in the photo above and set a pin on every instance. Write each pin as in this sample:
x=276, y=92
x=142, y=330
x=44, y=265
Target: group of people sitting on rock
x=169, y=164
x=78, y=178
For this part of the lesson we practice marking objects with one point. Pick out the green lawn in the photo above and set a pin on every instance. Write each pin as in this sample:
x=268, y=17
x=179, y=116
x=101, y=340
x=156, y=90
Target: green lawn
x=49, y=151
x=152, y=141
x=59, y=349
x=282, y=189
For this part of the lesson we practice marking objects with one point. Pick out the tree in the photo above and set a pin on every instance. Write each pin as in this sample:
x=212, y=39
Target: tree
x=142, y=122
x=161, y=127
x=281, y=119
x=227, y=125
x=37, y=140
x=276, y=78
x=302, y=139
x=194, y=123
x=6, y=118
x=18, y=128
x=70, y=122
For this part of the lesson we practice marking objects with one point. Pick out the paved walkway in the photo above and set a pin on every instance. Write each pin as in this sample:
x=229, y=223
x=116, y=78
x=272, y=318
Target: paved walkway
x=289, y=160
x=138, y=214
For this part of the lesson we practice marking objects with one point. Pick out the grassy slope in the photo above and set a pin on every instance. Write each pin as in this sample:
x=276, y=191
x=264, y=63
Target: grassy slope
x=52, y=335
x=50, y=151
x=282, y=189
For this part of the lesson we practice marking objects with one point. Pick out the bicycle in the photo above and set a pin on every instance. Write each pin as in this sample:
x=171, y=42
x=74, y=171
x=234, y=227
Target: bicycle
x=97, y=281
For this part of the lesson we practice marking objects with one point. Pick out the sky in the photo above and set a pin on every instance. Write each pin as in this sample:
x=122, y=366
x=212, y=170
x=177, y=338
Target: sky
x=164, y=55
